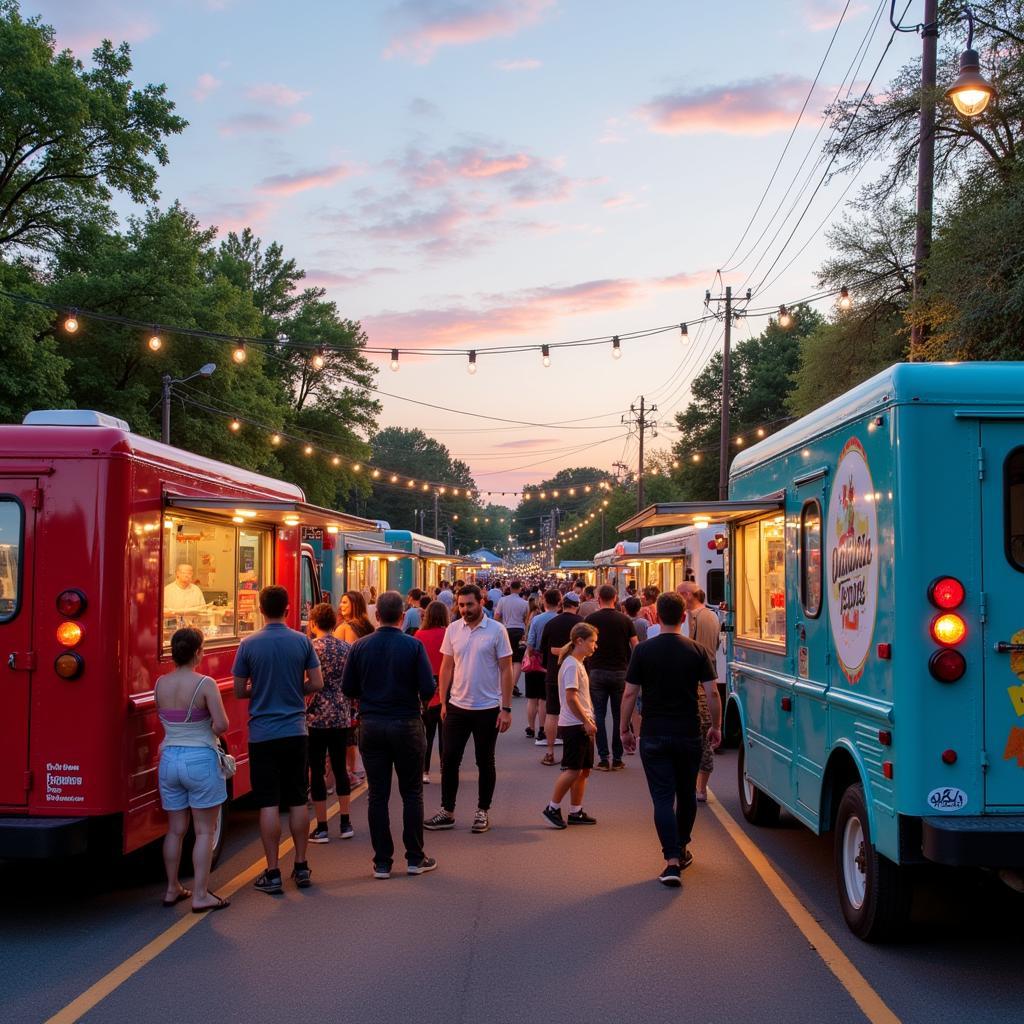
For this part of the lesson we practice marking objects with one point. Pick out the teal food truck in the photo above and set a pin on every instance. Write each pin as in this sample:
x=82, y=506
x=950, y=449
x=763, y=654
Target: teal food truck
x=875, y=619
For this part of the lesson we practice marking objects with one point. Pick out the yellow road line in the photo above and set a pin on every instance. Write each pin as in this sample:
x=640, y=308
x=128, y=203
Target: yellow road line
x=114, y=979
x=870, y=1002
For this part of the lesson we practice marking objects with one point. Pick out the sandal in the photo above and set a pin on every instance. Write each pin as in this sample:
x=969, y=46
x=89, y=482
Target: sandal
x=183, y=894
x=221, y=904
x=548, y=759
x=702, y=798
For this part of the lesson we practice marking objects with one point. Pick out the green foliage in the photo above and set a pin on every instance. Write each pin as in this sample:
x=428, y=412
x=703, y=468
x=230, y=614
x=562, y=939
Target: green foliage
x=69, y=136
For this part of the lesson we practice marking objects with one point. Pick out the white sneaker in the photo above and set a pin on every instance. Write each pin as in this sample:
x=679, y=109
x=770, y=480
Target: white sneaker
x=540, y=743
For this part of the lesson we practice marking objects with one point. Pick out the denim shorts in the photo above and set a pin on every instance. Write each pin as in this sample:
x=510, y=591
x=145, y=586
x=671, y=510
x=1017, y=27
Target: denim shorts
x=190, y=777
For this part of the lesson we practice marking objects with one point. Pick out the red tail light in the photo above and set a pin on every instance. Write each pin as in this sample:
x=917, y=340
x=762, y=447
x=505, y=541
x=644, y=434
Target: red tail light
x=947, y=665
x=71, y=603
x=946, y=592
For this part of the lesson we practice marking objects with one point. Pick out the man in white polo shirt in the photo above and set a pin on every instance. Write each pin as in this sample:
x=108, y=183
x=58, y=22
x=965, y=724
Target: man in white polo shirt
x=475, y=687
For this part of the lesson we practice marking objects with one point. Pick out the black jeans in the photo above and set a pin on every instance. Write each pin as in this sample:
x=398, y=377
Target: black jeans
x=399, y=744
x=607, y=685
x=459, y=725
x=432, y=724
x=324, y=742
x=671, y=764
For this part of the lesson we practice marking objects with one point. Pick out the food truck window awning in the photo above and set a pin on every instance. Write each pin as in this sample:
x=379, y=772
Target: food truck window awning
x=280, y=512
x=688, y=513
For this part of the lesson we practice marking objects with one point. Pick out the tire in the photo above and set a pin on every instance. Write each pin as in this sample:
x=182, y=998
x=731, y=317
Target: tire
x=758, y=808
x=874, y=893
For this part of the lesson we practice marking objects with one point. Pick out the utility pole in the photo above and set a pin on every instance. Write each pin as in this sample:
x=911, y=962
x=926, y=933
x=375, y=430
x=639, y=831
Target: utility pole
x=723, y=440
x=436, y=535
x=640, y=419
x=602, y=529
x=448, y=528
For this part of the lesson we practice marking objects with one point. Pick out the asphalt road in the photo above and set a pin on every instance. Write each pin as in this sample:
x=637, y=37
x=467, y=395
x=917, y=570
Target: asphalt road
x=521, y=924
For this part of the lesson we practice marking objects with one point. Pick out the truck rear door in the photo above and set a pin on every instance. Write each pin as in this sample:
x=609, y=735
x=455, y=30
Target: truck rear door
x=1001, y=462
x=18, y=502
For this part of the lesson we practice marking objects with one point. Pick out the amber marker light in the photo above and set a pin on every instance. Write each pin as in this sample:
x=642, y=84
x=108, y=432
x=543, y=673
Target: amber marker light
x=69, y=634
x=948, y=629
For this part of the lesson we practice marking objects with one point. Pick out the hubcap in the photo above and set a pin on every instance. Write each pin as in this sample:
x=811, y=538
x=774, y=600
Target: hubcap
x=854, y=863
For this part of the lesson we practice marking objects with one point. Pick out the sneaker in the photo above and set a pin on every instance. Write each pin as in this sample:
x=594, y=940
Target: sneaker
x=302, y=875
x=603, y=765
x=440, y=821
x=269, y=881
x=581, y=818
x=346, y=831
x=319, y=835
x=381, y=870
x=425, y=865
x=516, y=692
x=554, y=816
x=529, y=733
x=618, y=766
x=686, y=861
x=540, y=741
x=558, y=742
x=670, y=876
x=547, y=759
x=542, y=735
x=426, y=778
x=481, y=823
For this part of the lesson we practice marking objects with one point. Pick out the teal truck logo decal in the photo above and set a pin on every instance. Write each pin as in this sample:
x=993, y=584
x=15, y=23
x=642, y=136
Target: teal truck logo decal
x=852, y=543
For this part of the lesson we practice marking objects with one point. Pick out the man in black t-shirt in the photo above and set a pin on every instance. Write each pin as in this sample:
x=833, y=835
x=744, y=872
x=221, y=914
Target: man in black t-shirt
x=668, y=669
x=616, y=638
x=555, y=636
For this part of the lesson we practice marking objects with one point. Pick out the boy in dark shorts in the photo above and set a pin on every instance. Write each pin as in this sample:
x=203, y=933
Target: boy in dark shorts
x=576, y=728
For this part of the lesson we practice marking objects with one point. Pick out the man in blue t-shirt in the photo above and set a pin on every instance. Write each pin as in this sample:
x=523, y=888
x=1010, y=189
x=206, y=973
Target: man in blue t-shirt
x=274, y=670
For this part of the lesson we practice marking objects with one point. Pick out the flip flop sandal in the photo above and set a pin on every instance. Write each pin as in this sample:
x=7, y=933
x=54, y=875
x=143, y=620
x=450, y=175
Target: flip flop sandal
x=183, y=895
x=221, y=904
x=702, y=798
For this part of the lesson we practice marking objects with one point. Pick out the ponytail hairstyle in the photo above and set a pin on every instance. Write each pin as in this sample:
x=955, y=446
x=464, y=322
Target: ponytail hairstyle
x=581, y=631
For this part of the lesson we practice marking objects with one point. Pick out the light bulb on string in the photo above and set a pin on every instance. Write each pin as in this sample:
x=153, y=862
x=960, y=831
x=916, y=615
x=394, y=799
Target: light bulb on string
x=394, y=478
x=785, y=319
x=71, y=323
x=236, y=426
x=411, y=483
x=545, y=353
x=155, y=342
x=394, y=360
x=335, y=461
x=239, y=354
x=684, y=333
x=471, y=367
x=616, y=348
x=308, y=450
x=318, y=359
x=845, y=302
x=275, y=439
x=695, y=457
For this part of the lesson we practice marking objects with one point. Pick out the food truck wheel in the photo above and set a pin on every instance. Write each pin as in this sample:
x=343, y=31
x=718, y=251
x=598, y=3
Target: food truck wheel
x=758, y=808
x=873, y=891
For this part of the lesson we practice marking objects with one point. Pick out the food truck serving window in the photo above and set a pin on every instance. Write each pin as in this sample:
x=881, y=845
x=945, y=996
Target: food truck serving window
x=761, y=581
x=1014, y=518
x=10, y=557
x=810, y=558
x=213, y=573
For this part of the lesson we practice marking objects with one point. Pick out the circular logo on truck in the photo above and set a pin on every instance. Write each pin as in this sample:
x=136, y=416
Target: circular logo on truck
x=852, y=547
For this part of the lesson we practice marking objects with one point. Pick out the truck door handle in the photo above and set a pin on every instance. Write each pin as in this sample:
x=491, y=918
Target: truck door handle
x=12, y=660
x=1002, y=647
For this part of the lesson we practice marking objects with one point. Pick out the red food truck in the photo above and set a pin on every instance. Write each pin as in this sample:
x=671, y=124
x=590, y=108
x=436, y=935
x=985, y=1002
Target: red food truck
x=109, y=542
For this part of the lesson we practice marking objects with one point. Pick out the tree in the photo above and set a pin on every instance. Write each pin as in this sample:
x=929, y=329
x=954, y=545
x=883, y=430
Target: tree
x=70, y=137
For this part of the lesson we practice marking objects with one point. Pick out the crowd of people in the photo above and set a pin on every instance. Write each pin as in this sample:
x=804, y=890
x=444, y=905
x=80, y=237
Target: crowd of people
x=380, y=682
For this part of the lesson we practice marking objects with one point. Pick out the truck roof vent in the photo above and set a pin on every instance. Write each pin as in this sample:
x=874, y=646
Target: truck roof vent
x=73, y=418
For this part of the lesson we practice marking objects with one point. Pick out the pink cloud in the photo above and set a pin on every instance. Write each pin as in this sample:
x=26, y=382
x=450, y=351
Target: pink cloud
x=346, y=278
x=523, y=64
x=528, y=442
x=82, y=27
x=261, y=123
x=754, y=107
x=206, y=84
x=302, y=181
x=231, y=215
x=517, y=314
x=275, y=94
x=429, y=25
x=473, y=161
x=623, y=199
x=824, y=14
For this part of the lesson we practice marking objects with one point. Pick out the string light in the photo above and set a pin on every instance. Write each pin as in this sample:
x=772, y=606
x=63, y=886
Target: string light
x=394, y=360
x=545, y=352
x=236, y=426
x=318, y=359
x=375, y=474
x=239, y=354
x=411, y=483
x=335, y=461
x=356, y=467
x=616, y=348
x=784, y=318
x=394, y=478
x=471, y=368
x=155, y=343
x=845, y=302
x=684, y=334
x=308, y=450
x=71, y=323
x=275, y=439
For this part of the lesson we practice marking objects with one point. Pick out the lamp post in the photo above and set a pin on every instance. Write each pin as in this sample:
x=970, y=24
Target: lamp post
x=167, y=382
x=970, y=94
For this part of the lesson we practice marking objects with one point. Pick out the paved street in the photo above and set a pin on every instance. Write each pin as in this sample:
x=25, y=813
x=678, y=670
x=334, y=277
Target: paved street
x=522, y=924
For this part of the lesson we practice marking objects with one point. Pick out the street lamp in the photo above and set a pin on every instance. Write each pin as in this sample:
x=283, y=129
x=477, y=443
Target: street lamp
x=970, y=94
x=167, y=382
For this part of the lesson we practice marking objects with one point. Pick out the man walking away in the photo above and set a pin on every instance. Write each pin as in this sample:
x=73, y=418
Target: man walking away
x=274, y=670
x=446, y=597
x=668, y=670
x=476, y=700
x=389, y=674
x=616, y=638
x=511, y=611
x=631, y=606
x=536, y=697
x=554, y=637
x=704, y=630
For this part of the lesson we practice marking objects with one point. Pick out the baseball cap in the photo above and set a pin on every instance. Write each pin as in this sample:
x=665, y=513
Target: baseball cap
x=570, y=598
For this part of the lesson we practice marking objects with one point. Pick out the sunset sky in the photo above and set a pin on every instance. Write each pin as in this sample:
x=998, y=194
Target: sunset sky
x=474, y=173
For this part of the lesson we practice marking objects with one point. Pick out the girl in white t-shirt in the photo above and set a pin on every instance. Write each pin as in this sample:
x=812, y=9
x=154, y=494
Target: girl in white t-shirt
x=576, y=728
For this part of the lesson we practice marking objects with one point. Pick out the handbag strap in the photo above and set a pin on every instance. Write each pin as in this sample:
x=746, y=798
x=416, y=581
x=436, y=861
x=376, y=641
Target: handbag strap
x=195, y=693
